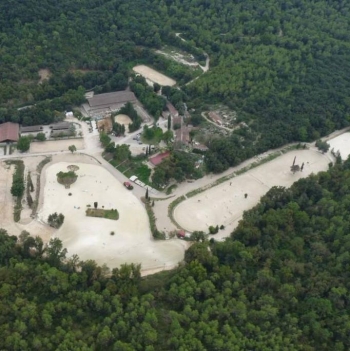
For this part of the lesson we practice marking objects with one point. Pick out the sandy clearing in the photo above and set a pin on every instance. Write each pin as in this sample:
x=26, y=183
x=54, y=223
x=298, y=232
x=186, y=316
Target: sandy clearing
x=124, y=120
x=225, y=203
x=178, y=57
x=341, y=143
x=154, y=76
x=90, y=237
x=6, y=199
x=55, y=145
x=44, y=74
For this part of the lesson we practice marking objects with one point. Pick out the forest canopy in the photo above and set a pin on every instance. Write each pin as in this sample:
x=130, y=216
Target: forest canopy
x=283, y=66
x=281, y=282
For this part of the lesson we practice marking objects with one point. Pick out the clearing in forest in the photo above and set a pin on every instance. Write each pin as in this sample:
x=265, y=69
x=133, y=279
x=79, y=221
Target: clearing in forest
x=153, y=76
x=224, y=204
x=90, y=237
x=44, y=74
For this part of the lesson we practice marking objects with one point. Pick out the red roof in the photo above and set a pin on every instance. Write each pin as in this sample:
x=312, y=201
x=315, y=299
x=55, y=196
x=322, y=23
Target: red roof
x=173, y=111
x=9, y=131
x=156, y=160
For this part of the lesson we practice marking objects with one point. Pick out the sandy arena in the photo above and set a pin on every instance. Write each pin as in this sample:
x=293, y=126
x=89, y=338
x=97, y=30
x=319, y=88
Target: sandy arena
x=154, y=76
x=341, y=143
x=225, y=203
x=56, y=145
x=89, y=237
x=124, y=120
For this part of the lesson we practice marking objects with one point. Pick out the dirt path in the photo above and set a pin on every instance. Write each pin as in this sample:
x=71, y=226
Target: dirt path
x=204, y=115
x=203, y=68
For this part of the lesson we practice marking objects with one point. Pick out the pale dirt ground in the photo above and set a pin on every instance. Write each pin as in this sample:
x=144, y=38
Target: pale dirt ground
x=178, y=57
x=44, y=74
x=341, y=143
x=105, y=124
x=124, y=120
x=55, y=145
x=7, y=204
x=154, y=76
x=90, y=237
x=225, y=203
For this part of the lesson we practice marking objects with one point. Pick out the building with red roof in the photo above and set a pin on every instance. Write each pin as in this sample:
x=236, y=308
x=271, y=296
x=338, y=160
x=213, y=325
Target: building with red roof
x=156, y=160
x=9, y=132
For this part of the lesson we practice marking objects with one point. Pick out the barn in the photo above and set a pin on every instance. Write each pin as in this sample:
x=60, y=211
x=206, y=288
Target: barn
x=9, y=132
x=101, y=104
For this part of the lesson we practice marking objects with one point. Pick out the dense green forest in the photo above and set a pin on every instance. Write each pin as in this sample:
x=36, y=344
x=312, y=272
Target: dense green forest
x=284, y=66
x=281, y=282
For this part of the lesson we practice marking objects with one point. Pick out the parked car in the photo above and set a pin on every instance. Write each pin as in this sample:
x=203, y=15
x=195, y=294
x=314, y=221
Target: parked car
x=128, y=186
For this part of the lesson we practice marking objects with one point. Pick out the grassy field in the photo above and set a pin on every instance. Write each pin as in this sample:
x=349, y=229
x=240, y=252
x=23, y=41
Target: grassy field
x=102, y=213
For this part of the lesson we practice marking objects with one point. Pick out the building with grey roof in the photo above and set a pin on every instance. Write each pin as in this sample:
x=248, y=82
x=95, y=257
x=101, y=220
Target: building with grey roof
x=105, y=103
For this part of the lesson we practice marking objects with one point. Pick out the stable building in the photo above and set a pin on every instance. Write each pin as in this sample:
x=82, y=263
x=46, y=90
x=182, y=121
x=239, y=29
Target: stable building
x=61, y=126
x=31, y=130
x=105, y=103
x=9, y=132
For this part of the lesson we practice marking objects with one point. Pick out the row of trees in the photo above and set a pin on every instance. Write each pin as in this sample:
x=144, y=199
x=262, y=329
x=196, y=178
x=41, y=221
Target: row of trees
x=129, y=110
x=179, y=166
x=153, y=103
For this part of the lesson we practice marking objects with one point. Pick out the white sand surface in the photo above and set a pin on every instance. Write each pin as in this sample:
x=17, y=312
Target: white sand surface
x=341, y=143
x=154, y=76
x=225, y=203
x=55, y=145
x=90, y=237
x=124, y=120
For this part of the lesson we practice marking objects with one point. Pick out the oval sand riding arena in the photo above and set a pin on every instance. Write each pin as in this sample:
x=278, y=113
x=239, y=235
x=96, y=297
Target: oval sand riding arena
x=224, y=204
x=152, y=76
x=123, y=120
x=107, y=241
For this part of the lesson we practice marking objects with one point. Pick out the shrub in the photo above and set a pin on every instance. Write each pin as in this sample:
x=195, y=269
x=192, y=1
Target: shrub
x=55, y=220
x=213, y=230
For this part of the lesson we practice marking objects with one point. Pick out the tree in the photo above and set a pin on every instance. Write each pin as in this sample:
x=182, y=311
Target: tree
x=23, y=143
x=104, y=139
x=41, y=136
x=55, y=252
x=169, y=122
x=55, y=220
x=156, y=87
x=66, y=178
x=322, y=145
x=122, y=152
x=17, y=188
x=72, y=148
x=168, y=136
x=146, y=195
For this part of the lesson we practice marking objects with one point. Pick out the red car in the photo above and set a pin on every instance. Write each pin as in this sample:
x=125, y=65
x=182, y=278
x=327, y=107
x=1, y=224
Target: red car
x=128, y=186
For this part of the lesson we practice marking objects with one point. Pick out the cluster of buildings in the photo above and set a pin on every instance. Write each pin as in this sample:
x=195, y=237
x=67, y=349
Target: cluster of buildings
x=182, y=130
x=10, y=132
